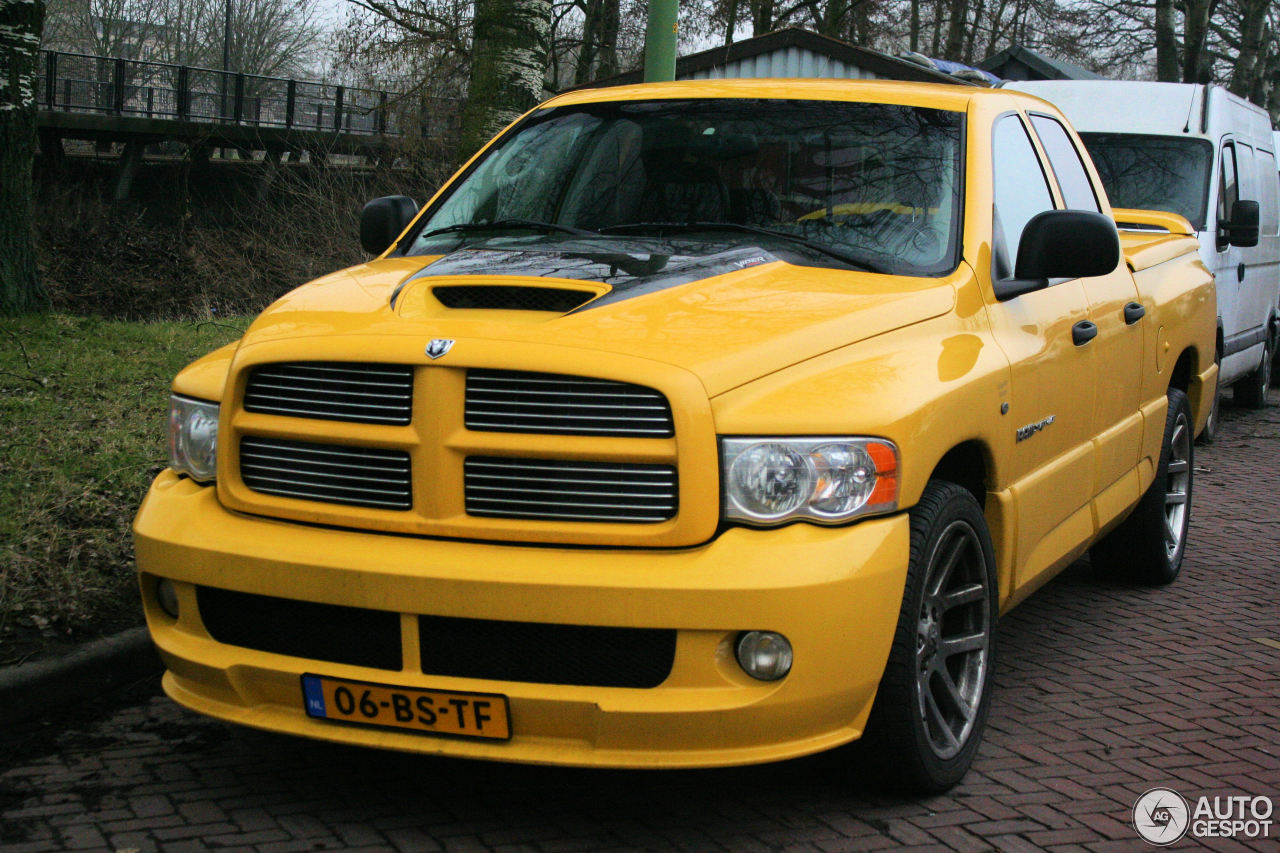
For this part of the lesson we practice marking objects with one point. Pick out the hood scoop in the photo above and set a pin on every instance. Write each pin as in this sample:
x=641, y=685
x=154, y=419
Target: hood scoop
x=505, y=297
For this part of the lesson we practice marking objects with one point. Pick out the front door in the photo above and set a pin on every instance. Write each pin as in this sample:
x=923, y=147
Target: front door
x=1051, y=394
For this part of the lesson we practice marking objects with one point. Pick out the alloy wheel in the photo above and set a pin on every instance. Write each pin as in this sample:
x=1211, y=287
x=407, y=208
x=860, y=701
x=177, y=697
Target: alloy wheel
x=1177, y=481
x=953, y=636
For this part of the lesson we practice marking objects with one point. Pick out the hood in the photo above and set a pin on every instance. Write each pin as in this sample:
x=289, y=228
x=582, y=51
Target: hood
x=728, y=313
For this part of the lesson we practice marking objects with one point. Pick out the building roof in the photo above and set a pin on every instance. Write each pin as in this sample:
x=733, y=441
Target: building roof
x=872, y=61
x=1023, y=63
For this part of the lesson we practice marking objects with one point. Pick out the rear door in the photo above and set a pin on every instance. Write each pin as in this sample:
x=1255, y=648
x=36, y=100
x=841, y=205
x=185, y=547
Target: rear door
x=1266, y=262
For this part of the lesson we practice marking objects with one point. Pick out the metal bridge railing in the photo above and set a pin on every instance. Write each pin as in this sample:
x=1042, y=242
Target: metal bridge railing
x=76, y=82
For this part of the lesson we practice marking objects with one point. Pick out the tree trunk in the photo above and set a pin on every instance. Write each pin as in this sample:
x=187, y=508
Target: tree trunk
x=21, y=22
x=861, y=28
x=831, y=17
x=761, y=17
x=1243, y=76
x=1166, y=43
x=508, y=61
x=590, y=38
x=971, y=38
x=607, y=50
x=936, y=46
x=731, y=23
x=1195, y=65
x=955, y=31
x=915, y=26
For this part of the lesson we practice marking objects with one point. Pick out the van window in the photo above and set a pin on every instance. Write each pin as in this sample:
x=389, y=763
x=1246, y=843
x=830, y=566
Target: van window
x=1228, y=188
x=1228, y=192
x=1154, y=172
x=1021, y=191
x=1246, y=177
x=1077, y=190
x=1268, y=192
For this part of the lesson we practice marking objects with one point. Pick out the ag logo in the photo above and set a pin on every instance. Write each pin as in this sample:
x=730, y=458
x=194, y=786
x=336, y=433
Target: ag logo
x=1161, y=816
x=439, y=346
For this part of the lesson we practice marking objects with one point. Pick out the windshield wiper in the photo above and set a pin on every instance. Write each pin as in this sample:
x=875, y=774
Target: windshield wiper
x=851, y=260
x=508, y=224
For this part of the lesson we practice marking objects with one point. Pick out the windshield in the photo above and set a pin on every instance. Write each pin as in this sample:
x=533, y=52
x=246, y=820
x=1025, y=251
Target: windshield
x=871, y=186
x=1154, y=172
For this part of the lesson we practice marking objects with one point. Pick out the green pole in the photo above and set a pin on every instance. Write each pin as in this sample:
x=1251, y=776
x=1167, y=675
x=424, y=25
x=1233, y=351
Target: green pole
x=660, y=41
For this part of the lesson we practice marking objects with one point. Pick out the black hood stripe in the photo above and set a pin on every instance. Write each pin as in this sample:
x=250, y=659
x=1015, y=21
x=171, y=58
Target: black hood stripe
x=657, y=266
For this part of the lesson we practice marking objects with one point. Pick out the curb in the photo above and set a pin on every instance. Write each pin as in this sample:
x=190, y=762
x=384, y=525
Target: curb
x=28, y=690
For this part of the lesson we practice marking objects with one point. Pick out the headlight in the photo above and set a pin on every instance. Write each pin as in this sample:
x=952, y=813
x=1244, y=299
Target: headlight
x=772, y=480
x=193, y=437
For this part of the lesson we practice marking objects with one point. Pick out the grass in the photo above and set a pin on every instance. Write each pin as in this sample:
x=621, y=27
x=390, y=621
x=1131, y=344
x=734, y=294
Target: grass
x=82, y=433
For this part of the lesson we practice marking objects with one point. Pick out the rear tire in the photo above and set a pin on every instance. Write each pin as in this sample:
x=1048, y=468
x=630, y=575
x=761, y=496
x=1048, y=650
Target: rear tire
x=1149, y=545
x=934, y=697
x=1251, y=391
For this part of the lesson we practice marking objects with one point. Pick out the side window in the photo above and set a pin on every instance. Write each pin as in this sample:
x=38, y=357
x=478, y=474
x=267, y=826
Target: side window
x=1246, y=180
x=1077, y=190
x=1020, y=191
x=1268, y=192
x=1228, y=188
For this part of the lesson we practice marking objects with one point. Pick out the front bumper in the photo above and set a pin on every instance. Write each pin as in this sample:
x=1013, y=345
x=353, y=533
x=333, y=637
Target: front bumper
x=834, y=592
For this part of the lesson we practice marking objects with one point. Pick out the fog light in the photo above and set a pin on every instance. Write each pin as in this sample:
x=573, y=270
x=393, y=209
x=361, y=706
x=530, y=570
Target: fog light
x=764, y=655
x=167, y=596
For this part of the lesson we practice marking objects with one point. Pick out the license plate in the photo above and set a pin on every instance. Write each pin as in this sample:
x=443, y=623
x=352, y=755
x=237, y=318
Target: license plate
x=444, y=712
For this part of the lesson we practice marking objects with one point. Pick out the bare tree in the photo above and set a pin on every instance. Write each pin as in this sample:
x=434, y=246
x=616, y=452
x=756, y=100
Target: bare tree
x=269, y=37
x=275, y=38
x=21, y=22
x=121, y=29
x=598, y=55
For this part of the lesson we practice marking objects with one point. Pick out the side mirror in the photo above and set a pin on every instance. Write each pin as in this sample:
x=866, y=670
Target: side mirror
x=1067, y=244
x=1242, y=230
x=382, y=220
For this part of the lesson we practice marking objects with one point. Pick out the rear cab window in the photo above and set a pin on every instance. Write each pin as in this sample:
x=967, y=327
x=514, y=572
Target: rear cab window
x=1073, y=180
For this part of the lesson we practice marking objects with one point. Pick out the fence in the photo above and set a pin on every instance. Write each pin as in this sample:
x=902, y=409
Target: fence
x=75, y=82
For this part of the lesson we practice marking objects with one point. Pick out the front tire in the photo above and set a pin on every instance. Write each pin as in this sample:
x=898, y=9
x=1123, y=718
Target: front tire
x=1149, y=545
x=934, y=697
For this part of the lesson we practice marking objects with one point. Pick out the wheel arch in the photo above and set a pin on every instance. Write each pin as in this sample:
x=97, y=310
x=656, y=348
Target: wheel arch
x=1184, y=369
x=968, y=464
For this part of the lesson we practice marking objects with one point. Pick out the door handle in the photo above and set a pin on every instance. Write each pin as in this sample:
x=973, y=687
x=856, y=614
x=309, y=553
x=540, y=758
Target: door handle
x=1083, y=332
x=1133, y=312
x=1240, y=272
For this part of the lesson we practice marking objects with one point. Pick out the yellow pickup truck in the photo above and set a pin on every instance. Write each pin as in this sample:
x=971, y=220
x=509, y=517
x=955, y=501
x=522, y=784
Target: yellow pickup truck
x=689, y=424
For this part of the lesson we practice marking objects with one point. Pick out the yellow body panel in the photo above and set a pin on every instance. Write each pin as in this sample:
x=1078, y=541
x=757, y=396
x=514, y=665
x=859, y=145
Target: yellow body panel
x=938, y=366
x=826, y=600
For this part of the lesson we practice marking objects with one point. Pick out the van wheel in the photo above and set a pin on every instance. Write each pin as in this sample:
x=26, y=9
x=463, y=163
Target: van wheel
x=934, y=697
x=1148, y=546
x=1251, y=391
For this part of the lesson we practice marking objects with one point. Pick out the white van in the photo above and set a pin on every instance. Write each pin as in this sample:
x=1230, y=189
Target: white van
x=1210, y=156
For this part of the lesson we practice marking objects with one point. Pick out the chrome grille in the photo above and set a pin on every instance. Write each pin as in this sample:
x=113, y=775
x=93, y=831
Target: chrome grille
x=358, y=476
x=551, y=403
x=556, y=490
x=336, y=391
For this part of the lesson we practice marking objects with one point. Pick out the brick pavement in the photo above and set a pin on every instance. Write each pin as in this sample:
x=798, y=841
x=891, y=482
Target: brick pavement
x=1103, y=691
